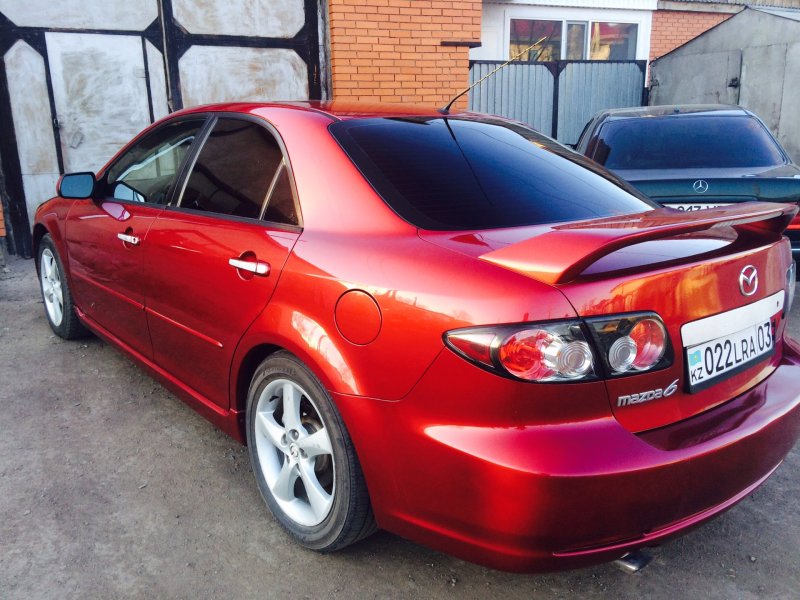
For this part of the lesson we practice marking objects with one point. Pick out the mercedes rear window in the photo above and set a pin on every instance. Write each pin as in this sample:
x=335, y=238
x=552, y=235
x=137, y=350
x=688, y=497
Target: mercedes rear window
x=686, y=142
x=459, y=174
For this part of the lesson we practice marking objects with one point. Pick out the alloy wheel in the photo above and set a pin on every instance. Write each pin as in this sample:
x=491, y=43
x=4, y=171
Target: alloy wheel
x=51, y=287
x=294, y=452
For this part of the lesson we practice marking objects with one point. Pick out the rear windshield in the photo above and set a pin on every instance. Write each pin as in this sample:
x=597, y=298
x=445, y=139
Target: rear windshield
x=456, y=174
x=686, y=142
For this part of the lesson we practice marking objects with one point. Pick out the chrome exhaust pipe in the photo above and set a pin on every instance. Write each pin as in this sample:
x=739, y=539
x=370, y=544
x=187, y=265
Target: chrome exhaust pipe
x=633, y=562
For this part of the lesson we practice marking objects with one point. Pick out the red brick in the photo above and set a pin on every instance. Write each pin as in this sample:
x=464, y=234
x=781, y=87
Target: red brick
x=671, y=29
x=390, y=50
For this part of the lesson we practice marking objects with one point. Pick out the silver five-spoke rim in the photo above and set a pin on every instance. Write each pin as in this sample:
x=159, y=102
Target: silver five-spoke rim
x=51, y=287
x=294, y=452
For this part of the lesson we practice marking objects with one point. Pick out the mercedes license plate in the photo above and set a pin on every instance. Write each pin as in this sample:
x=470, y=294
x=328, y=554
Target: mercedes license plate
x=693, y=207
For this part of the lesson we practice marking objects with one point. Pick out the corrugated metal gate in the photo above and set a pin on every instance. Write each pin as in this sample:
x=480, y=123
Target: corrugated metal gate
x=559, y=97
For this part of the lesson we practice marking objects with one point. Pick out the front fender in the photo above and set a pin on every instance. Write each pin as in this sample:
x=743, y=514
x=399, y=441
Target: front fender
x=51, y=217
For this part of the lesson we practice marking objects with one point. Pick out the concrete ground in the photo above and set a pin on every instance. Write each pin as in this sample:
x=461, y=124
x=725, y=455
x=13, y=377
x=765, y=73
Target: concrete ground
x=111, y=487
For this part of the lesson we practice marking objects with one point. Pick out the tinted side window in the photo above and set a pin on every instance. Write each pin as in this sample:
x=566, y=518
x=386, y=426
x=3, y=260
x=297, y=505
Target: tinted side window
x=582, y=138
x=281, y=206
x=147, y=171
x=234, y=170
x=683, y=142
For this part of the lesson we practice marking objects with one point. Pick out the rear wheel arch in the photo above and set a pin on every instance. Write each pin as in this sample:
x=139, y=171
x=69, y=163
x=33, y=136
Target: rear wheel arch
x=277, y=329
x=259, y=349
x=244, y=375
x=257, y=353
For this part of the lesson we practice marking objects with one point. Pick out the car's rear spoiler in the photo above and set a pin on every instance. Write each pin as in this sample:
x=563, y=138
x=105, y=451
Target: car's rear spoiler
x=565, y=251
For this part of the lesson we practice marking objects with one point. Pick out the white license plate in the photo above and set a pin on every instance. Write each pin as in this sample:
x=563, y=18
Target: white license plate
x=692, y=207
x=722, y=355
x=723, y=344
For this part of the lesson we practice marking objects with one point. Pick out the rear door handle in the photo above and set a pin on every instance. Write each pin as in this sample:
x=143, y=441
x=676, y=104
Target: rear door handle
x=253, y=266
x=128, y=239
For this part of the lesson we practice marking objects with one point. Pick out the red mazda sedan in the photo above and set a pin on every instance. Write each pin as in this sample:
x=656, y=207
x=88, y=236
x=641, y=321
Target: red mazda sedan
x=447, y=326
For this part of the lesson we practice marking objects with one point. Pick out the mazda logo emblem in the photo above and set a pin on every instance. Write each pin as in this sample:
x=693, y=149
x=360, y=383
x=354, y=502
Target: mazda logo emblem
x=748, y=280
x=700, y=186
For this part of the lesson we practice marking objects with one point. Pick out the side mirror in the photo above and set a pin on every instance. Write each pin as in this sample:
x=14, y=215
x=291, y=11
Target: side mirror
x=77, y=186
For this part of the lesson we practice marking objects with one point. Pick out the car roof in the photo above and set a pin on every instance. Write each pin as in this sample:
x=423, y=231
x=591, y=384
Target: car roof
x=673, y=110
x=334, y=110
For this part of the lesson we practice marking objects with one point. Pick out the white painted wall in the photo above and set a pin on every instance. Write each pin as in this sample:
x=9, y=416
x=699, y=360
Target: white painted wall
x=100, y=95
x=265, y=18
x=99, y=80
x=496, y=22
x=122, y=15
x=30, y=112
x=256, y=74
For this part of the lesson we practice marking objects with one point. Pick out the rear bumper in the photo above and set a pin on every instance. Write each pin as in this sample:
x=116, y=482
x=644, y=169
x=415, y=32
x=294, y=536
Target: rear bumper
x=544, y=496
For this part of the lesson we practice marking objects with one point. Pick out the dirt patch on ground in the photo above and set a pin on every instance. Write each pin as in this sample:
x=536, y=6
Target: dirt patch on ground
x=111, y=487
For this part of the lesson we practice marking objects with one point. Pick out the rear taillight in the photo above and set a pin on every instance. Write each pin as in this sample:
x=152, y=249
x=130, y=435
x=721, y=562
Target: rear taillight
x=631, y=343
x=543, y=355
x=791, y=282
x=562, y=352
x=536, y=352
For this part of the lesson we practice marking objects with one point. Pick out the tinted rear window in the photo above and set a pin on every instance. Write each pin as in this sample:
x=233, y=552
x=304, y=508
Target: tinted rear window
x=686, y=142
x=453, y=174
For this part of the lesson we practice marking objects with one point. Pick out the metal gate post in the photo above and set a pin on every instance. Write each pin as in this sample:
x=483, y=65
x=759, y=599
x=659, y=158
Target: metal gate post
x=555, y=68
x=18, y=231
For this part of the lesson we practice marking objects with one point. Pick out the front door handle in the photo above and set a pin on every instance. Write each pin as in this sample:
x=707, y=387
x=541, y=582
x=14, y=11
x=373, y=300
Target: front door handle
x=128, y=239
x=258, y=267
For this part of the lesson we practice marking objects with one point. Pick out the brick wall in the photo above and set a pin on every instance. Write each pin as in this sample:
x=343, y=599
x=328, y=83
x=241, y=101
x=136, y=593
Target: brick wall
x=673, y=28
x=391, y=50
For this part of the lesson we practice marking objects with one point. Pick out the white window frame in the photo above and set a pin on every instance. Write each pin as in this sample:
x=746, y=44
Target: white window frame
x=642, y=19
x=564, y=35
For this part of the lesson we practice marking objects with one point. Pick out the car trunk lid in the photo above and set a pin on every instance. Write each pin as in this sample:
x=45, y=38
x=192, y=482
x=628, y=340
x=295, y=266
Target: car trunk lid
x=563, y=251
x=686, y=268
x=696, y=189
x=707, y=190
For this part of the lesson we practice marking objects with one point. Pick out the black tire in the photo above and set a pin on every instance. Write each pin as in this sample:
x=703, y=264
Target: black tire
x=68, y=326
x=349, y=517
